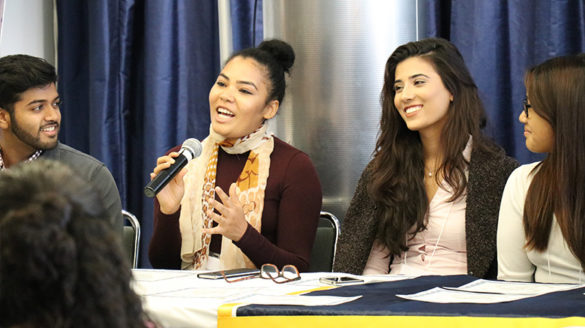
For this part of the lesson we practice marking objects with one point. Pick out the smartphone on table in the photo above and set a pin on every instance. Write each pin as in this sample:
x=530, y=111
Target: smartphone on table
x=232, y=273
x=341, y=281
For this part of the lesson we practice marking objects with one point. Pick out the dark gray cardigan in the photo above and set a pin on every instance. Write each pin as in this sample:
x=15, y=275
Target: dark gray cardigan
x=488, y=173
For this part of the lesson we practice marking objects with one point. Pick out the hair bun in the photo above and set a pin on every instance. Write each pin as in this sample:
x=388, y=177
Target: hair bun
x=281, y=51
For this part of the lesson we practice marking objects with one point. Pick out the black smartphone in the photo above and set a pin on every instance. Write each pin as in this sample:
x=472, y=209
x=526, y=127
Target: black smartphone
x=341, y=281
x=232, y=273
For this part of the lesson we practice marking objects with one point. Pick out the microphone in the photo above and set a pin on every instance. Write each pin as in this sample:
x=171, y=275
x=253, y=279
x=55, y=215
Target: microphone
x=190, y=149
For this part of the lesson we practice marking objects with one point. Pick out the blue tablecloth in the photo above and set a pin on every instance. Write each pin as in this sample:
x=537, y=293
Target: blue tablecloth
x=379, y=299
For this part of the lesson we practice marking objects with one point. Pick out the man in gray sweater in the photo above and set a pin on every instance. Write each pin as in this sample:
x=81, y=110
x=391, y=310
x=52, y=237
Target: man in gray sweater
x=30, y=119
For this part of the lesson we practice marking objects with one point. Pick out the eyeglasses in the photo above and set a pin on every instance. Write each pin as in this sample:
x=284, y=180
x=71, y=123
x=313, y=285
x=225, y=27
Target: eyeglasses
x=288, y=273
x=526, y=105
x=230, y=280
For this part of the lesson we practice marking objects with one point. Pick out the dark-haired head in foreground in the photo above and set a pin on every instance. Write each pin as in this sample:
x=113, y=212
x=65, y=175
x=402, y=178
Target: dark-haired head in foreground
x=61, y=265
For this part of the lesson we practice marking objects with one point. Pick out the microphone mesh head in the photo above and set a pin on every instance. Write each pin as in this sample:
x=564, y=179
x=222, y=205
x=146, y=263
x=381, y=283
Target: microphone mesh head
x=193, y=146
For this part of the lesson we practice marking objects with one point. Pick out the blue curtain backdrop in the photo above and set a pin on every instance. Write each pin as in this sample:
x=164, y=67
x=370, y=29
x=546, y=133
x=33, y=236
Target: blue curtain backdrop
x=244, y=25
x=135, y=77
x=135, y=74
x=499, y=40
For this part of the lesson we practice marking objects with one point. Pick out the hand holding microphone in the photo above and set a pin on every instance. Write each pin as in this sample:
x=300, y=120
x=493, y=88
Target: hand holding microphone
x=190, y=149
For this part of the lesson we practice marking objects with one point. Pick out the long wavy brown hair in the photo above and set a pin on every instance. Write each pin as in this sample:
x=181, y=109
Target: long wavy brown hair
x=398, y=166
x=556, y=89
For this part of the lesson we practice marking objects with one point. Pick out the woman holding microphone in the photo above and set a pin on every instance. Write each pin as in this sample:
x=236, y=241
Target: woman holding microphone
x=250, y=198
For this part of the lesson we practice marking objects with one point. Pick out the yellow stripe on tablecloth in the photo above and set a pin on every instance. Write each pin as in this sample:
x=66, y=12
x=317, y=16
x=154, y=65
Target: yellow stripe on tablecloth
x=228, y=310
x=394, y=321
x=312, y=290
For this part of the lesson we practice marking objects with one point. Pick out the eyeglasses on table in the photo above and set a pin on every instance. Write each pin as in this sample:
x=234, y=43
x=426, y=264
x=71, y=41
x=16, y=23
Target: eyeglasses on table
x=288, y=273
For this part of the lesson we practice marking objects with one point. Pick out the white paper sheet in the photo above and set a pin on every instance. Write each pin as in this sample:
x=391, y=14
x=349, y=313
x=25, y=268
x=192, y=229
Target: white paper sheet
x=158, y=275
x=510, y=287
x=441, y=295
x=487, y=291
x=176, y=298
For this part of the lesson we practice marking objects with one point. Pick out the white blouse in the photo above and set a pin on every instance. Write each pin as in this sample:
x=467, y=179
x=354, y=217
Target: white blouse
x=556, y=264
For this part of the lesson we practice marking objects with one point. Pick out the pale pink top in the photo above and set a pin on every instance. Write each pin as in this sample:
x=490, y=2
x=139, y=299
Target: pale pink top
x=440, y=249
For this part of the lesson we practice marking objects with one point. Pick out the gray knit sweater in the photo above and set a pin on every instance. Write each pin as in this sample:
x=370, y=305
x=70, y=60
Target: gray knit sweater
x=488, y=173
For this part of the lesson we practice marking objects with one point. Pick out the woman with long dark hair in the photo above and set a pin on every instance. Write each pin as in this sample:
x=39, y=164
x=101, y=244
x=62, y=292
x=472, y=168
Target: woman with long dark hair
x=428, y=201
x=541, y=232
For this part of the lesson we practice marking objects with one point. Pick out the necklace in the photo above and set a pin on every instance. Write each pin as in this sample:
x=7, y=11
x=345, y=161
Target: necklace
x=429, y=173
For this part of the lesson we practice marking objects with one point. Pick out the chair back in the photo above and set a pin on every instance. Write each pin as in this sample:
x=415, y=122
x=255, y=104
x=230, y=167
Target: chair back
x=131, y=237
x=323, y=252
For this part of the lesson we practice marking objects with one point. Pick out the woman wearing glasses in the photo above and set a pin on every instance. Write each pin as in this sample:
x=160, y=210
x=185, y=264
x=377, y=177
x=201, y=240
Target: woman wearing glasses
x=428, y=201
x=541, y=230
x=249, y=198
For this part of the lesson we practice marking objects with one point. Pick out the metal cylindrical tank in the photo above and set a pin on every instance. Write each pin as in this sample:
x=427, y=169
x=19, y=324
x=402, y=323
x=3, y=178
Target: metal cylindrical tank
x=332, y=107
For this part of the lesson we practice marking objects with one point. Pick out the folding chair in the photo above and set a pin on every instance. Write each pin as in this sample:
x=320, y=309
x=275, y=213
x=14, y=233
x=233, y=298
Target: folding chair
x=131, y=237
x=323, y=253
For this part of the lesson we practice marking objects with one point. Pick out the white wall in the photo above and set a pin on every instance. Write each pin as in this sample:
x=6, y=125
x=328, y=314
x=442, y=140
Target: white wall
x=28, y=28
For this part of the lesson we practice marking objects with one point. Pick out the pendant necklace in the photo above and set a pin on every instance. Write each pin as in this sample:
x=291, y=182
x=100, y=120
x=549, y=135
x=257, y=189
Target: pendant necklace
x=429, y=173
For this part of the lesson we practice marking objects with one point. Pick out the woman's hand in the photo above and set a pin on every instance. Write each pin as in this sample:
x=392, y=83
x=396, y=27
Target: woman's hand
x=170, y=196
x=231, y=221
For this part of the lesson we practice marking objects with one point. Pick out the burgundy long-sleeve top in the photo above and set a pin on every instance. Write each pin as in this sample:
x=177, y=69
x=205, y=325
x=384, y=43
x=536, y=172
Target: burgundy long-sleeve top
x=292, y=203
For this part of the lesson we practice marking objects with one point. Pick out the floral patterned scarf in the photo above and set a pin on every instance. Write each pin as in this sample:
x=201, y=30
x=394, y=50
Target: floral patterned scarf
x=200, y=186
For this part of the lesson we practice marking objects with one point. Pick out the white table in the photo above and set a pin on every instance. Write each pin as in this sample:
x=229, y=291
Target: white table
x=177, y=298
